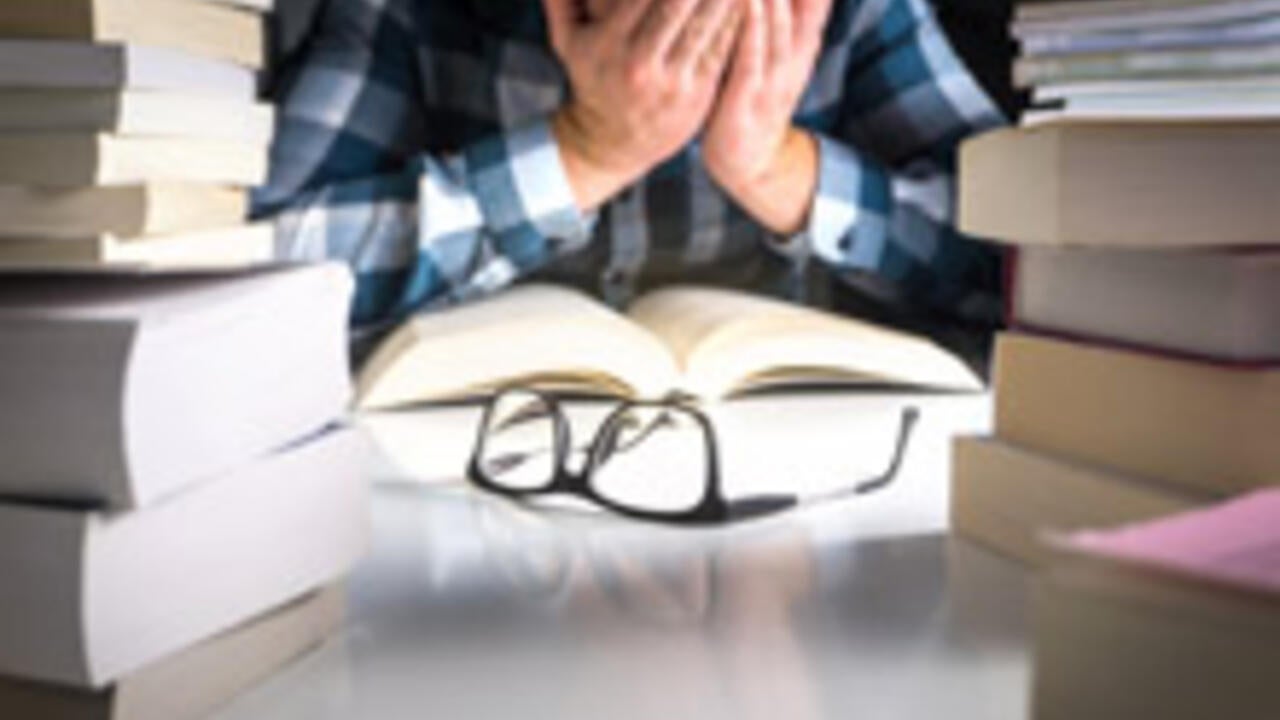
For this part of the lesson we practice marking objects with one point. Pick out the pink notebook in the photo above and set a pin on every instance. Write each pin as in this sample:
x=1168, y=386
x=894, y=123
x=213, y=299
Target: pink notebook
x=1237, y=543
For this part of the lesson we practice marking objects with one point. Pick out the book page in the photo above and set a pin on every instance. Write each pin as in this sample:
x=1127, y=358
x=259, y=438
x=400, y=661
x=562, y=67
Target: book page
x=545, y=336
x=727, y=343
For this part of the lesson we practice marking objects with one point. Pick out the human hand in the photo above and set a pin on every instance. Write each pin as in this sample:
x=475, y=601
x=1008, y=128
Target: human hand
x=750, y=135
x=644, y=76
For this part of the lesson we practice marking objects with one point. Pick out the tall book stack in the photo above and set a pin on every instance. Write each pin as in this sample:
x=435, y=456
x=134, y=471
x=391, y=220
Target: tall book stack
x=1141, y=374
x=129, y=132
x=179, y=497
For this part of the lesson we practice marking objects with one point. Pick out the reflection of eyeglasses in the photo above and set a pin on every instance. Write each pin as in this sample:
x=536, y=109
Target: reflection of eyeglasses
x=654, y=461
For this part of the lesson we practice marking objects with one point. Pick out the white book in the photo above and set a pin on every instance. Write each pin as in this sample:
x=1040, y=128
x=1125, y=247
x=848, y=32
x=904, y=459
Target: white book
x=237, y=246
x=194, y=682
x=1102, y=90
x=1221, y=305
x=260, y=6
x=134, y=113
x=1118, y=15
x=1193, y=109
x=90, y=597
x=1204, y=63
x=1251, y=32
x=124, y=389
x=80, y=159
x=55, y=64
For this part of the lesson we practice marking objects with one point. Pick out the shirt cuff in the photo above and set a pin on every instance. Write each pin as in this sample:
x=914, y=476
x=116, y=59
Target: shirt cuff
x=848, y=224
x=524, y=195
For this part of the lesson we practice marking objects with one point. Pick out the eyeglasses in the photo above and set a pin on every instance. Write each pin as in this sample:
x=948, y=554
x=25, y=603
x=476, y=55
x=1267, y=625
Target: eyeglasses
x=653, y=461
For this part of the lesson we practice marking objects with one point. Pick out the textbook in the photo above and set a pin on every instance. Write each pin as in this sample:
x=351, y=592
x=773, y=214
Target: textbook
x=1177, y=618
x=1139, y=185
x=697, y=341
x=79, y=159
x=1203, y=426
x=122, y=211
x=194, y=682
x=121, y=389
x=1209, y=305
x=49, y=65
x=92, y=596
x=156, y=114
x=1191, y=62
x=1231, y=33
x=225, y=248
x=213, y=29
x=1009, y=499
x=1127, y=15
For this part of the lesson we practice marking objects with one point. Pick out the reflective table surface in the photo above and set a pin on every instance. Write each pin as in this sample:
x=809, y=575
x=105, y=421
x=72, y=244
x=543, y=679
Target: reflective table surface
x=472, y=607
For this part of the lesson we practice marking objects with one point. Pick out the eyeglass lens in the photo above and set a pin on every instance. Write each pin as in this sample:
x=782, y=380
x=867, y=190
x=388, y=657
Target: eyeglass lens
x=651, y=458
x=519, y=442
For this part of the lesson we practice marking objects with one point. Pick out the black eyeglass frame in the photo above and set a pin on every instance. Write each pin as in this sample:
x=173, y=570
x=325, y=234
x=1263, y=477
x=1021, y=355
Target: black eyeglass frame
x=713, y=508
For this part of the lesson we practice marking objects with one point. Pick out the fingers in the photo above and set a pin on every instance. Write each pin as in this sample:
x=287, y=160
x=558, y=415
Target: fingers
x=811, y=18
x=628, y=17
x=781, y=31
x=561, y=17
x=718, y=55
x=694, y=49
x=751, y=55
x=661, y=26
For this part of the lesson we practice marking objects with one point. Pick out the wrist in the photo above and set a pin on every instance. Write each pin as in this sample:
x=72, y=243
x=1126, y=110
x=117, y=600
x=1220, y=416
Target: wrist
x=594, y=177
x=779, y=191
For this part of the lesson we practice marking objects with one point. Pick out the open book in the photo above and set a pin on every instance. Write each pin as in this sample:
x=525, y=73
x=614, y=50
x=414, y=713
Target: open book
x=701, y=342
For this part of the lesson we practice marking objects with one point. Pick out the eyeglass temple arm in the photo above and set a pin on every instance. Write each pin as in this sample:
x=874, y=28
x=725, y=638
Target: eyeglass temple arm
x=762, y=505
x=910, y=418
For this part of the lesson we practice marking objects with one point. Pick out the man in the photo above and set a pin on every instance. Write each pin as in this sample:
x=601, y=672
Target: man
x=449, y=148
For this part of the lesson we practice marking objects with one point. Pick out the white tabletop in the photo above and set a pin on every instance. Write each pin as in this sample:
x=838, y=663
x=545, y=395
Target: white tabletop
x=470, y=607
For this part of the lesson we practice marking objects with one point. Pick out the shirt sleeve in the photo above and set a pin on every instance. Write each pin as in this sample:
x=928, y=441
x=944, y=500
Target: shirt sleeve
x=350, y=180
x=884, y=208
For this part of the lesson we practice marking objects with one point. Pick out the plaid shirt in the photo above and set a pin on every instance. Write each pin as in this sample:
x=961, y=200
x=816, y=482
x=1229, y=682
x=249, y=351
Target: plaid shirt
x=414, y=144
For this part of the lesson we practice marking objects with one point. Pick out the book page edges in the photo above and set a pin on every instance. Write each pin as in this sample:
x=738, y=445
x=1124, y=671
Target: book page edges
x=549, y=337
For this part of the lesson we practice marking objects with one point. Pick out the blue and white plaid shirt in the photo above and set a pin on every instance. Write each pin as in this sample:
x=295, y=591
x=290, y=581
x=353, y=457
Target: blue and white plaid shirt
x=414, y=144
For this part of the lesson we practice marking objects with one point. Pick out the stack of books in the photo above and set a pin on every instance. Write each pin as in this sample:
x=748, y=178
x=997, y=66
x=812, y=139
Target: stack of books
x=1141, y=374
x=180, y=497
x=1193, y=59
x=129, y=132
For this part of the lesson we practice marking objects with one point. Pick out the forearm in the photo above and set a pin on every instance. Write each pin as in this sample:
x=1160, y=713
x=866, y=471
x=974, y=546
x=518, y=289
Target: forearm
x=443, y=227
x=781, y=198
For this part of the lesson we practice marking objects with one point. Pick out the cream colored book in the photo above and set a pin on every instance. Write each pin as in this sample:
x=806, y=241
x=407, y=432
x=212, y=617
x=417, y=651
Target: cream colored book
x=1204, y=426
x=1008, y=499
x=213, y=29
x=123, y=211
x=197, y=116
x=1124, y=184
x=702, y=342
x=194, y=682
x=79, y=159
x=225, y=248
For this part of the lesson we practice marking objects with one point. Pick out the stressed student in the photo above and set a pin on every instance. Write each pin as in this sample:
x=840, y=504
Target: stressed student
x=448, y=149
